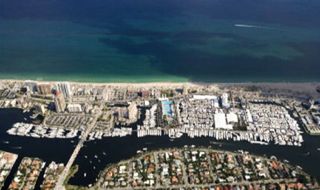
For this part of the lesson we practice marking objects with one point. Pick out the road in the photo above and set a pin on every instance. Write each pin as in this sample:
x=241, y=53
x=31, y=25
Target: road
x=84, y=136
x=184, y=186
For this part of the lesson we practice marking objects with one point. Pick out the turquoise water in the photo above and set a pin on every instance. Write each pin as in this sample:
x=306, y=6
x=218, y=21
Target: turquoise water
x=166, y=106
x=148, y=42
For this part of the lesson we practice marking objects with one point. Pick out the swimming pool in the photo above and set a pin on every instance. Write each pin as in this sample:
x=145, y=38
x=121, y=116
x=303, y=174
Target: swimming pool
x=167, y=107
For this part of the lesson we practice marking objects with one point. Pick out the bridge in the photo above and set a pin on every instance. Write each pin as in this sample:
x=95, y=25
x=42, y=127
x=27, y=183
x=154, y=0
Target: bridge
x=83, y=138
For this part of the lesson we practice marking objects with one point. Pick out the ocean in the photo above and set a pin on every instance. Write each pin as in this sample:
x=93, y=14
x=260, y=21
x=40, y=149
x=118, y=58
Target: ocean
x=160, y=40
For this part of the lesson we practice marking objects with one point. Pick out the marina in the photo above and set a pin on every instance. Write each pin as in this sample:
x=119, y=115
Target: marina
x=112, y=150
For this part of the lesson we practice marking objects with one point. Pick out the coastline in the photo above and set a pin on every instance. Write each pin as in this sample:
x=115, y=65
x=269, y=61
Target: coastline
x=300, y=87
x=167, y=82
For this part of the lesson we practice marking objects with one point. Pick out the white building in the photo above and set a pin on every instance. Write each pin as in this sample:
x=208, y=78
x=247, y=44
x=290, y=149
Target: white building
x=225, y=100
x=221, y=122
x=65, y=88
x=232, y=118
x=74, y=108
x=204, y=97
x=249, y=116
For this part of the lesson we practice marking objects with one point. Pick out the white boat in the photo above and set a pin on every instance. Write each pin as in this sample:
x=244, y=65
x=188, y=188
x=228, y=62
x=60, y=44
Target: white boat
x=258, y=142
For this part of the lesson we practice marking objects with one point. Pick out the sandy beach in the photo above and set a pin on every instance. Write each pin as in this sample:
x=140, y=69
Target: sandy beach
x=303, y=87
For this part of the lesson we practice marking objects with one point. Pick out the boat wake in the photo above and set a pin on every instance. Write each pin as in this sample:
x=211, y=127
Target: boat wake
x=252, y=26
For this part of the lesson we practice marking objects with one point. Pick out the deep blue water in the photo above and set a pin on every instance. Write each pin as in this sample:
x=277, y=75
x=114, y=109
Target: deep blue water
x=160, y=40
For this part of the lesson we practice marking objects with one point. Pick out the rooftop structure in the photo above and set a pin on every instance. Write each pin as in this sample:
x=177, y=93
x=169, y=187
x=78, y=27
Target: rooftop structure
x=74, y=108
x=220, y=121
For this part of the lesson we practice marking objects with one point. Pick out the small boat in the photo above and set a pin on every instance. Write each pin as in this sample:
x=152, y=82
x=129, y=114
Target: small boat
x=307, y=154
x=94, y=167
x=95, y=156
x=6, y=142
x=85, y=175
x=85, y=156
x=258, y=142
x=178, y=135
x=171, y=139
x=318, y=149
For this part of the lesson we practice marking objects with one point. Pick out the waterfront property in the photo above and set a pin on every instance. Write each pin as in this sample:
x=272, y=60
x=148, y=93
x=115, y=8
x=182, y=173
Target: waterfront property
x=198, y=111
x=51, y=176
x=100, y=111
x=27, y=174
x=200, y=168
x=7, y=161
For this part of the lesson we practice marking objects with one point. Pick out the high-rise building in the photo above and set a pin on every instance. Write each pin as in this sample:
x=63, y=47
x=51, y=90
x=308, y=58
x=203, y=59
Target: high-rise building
x=65, y=88
x=59, y=102
x=225, y=100
x=30, y=85
x=44, y=88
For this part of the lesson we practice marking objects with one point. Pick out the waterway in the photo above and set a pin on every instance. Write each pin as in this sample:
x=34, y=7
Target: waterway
x=96, y=155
